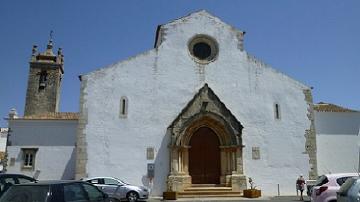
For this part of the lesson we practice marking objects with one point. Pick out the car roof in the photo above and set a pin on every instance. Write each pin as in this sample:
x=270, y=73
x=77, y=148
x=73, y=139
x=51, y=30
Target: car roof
x=13, y=174
x=92, y=178
x=334, y=175
x=51, y=182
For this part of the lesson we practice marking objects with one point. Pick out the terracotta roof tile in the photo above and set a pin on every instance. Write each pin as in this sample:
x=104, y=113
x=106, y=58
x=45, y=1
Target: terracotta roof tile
x=54, y=116
x=327, y=107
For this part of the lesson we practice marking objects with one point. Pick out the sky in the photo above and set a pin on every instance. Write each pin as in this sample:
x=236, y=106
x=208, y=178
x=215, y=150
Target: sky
x=314, y=42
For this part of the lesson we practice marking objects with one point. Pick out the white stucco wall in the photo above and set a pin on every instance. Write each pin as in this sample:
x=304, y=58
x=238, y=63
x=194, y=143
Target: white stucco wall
x=337, y=136
x=160, y=83
x=55, y=141
x=3, y=138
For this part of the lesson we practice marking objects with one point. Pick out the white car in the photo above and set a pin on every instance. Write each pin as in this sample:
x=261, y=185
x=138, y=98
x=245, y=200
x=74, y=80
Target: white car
x=349, y=191
x=327, y=185
x=119, y=190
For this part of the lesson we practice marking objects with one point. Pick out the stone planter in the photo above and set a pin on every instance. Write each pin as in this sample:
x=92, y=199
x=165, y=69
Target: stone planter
x=169, y=195
x=252, y=193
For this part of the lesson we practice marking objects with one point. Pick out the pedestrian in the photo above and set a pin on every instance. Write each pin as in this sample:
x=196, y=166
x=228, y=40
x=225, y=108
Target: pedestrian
x=300, y=185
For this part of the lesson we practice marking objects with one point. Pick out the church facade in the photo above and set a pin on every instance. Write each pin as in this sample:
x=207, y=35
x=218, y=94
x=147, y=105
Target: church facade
x=196, y=110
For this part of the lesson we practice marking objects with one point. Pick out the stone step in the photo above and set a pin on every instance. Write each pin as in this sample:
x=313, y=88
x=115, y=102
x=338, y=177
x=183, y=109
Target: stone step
x=202, y=191
x=207, y=185
x=208, y=189
x=209, y=192
x=210, y=196
x=200, y=194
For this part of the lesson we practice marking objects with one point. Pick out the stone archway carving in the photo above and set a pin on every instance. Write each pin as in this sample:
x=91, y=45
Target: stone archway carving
x=206, y=110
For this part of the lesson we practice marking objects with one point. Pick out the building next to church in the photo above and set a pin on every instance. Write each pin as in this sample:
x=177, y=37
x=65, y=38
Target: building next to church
x=337, y=138
x=42, y=142
x=196, y=110
x=3, y=140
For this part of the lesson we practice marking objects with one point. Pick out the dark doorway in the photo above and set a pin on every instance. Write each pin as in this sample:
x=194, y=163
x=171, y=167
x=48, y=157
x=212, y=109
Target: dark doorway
x=204, y=157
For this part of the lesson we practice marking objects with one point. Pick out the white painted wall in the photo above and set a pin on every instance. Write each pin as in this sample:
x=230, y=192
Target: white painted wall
x=160, y=83
x=337, y=136
x=55, y=140
x=3, y=138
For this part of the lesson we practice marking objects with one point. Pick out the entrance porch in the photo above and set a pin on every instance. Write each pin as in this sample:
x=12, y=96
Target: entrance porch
x=206, y=146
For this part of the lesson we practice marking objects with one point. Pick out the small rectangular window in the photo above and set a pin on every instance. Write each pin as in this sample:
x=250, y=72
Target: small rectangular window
x=277, y=111
x=12, y=161
x=256, y=153
x=150, y=153
x=28, y=161
x=123, y=103
x=123, y=107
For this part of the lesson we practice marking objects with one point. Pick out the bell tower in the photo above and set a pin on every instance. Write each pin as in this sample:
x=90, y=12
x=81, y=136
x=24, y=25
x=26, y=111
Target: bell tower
x=44, y=82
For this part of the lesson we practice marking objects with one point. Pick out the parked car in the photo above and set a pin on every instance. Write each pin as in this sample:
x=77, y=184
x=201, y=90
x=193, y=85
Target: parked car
x=327, y=185
x=119, y=190
x=349, y=191
x=309, y=185
x=6, y=180
x=54, y=191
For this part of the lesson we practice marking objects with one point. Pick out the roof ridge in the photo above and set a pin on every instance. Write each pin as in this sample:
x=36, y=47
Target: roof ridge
x=53, y=116
x=328, y=107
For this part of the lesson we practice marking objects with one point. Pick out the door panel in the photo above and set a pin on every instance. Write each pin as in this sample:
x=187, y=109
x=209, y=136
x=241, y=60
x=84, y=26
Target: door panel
x=204, y=157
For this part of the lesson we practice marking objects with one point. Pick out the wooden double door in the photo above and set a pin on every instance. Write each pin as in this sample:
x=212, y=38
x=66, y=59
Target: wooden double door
x=204, y=157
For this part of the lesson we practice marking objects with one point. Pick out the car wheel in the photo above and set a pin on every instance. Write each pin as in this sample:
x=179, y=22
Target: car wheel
x=132, y=196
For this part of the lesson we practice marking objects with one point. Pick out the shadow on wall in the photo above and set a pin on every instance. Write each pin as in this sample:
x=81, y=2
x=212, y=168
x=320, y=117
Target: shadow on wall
x=69, y=171
x=158, y=184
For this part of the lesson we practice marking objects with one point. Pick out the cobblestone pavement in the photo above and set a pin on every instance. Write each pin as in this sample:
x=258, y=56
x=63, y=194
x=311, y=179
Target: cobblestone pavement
x=241, y=199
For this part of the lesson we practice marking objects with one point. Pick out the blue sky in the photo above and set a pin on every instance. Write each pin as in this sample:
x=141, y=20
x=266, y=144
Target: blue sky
x=315, y=42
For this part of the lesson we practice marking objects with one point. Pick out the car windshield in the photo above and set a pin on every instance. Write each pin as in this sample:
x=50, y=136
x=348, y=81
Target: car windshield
x=341, y=180
x=30, y=193
x=321, y=180
x=346, y=186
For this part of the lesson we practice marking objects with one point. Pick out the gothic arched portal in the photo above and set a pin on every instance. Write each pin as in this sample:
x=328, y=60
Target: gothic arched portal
x=206, y=119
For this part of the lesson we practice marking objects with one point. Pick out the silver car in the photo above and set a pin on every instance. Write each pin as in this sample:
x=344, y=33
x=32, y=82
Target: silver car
x=349, y=191
x=119, y=190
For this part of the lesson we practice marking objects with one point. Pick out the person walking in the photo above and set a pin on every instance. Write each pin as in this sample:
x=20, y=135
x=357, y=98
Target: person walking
x=300, y=185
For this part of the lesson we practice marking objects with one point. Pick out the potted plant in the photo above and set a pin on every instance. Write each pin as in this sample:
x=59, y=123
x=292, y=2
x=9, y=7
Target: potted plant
x=169, y=194
x=252, y=192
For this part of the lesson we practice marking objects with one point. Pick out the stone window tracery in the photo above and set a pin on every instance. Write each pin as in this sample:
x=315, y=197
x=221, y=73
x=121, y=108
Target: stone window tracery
x=203, y=48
